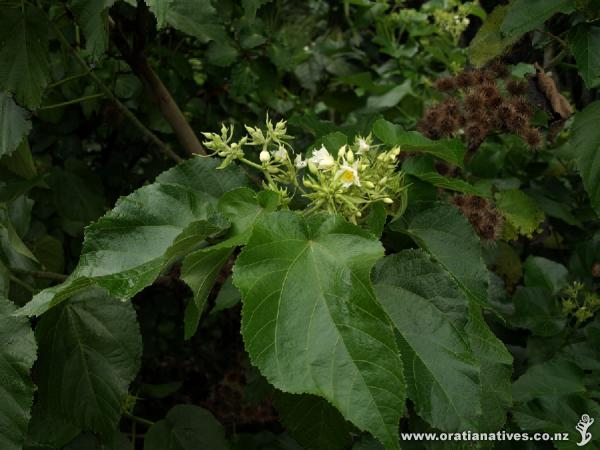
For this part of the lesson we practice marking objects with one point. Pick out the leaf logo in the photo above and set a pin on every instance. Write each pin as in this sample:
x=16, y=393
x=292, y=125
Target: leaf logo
x=582, y=426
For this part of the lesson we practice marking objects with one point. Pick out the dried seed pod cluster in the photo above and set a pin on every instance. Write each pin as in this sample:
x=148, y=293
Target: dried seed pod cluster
x=480, y=102
x=480, y=212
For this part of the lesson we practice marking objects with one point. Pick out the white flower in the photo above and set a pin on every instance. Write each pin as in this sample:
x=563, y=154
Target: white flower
x=322, y=159
x=281, y=154
x=264, y=156
x=348, y=174
x=299, y=163
x=363, y=146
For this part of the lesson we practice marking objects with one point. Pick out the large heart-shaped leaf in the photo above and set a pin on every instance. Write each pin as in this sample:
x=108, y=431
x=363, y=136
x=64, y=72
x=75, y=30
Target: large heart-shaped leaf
x=445, y=233
x=90, y=350
x=430, y=312
x=311, y=322
x=17, y=354
x=127, y=249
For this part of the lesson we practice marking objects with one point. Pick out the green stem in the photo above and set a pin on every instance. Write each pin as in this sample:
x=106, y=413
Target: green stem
x=71, y=102
x=124, y=109
x=21, y=283
x=137, y=419
x=251, y=164
x=67, y=79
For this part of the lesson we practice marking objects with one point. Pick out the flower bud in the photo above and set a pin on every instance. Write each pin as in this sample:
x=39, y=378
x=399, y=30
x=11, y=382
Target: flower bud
x=388, y=200
x=342, y=151
x=313, y=169
x=382, y=181
x=222, y=154
x=369, y=184
x=264, y=156
x=350, y=156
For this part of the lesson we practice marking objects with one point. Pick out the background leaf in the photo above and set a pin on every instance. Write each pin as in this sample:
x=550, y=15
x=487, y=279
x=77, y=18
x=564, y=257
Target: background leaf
x=186, y=427
x=313, y=422
x=14, y=125
x=585, y=46
x=527, y=15
x=90, y=350
x=17, y=354
x=24, y=69
x=585, y=147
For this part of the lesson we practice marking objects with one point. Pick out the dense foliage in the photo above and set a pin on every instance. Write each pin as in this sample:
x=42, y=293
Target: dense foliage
x=274, y=224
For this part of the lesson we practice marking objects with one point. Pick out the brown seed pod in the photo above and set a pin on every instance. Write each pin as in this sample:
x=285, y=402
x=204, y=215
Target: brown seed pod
x=499, y=69
x=517, y=122
x=445, y=84
x=450, y=106
x=522, y=106
x=473, y=102
x=465, y=79
x=532, y=137
x=516, y=88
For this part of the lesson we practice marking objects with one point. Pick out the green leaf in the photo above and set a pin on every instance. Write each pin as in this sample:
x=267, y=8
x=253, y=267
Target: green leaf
x=77, y=194
x=24, y=68
x=495, y=363
x=92, y=16
x=221, y=53
x=585, y=46
x=538, y=311
x=527, y=15
x=452, y=184
x=197, y=18
x=228, y=297
x=390, y=99
x=311, y=322
x=9, y=235
x=20, y=161
x=489, y=43
x=186, y=427
x=17, y=354
x=90, y=350
x=251, y=6
x=444, y=232
x=520, y=212
x=313, y=422
x=544, y=273
x=160, y=8
x=41, y=421
x=430, y=312
x=242, y=207
x=128, y=248
x=585, y=142
x=554, y=377
x=452, y=151
x=14, y=125
x=200, y=271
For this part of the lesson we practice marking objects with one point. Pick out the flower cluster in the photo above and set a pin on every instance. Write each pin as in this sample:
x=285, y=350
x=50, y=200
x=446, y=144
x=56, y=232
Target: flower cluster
x=580, y=303
x=481, y=102
x=346, y=181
